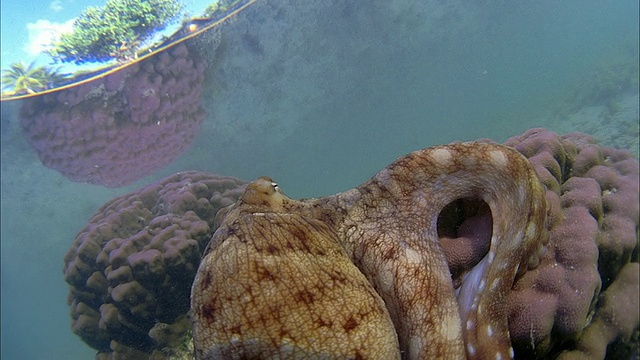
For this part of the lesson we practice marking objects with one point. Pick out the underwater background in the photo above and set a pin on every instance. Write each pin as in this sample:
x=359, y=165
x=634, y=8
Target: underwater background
x=321, y=95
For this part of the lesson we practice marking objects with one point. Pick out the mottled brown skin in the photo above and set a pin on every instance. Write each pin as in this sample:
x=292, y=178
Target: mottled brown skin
x=279, y=285
x=287, y=278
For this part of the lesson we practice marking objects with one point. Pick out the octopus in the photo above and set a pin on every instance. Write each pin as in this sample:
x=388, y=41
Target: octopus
x=363, y=274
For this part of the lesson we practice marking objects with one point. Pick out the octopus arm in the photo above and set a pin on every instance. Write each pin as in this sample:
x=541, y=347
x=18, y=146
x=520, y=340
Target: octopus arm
x=408, y=268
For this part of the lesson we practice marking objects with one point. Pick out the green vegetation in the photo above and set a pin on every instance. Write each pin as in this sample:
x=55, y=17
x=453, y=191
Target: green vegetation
x=115, y=31
x=219, y=6
x=22, y=79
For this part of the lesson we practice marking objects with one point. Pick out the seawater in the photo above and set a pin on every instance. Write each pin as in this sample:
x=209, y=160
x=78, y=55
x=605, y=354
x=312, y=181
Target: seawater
x=321, y=95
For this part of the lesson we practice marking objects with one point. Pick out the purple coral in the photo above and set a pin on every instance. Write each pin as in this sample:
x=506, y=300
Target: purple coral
x=593, y=196
x=569, y=299
x=580, y=301
x=122, y=127
x=131, y=267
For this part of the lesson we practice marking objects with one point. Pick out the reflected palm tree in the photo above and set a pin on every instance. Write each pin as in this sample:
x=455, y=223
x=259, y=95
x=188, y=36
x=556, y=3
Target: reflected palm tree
x=28, y=79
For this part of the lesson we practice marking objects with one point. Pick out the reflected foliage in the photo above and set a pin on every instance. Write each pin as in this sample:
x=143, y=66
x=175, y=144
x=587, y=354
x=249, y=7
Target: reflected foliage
x=115, y=31
x=28, y=79
x=219, y=7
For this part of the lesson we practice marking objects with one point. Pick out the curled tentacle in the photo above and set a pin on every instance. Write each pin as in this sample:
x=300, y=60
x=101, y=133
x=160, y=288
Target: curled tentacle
x=393, y=228
x=372, y=256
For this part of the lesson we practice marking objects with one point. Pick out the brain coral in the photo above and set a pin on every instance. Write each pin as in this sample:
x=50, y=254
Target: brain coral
x=131, y=267
x=119, y=128
x=586, y=286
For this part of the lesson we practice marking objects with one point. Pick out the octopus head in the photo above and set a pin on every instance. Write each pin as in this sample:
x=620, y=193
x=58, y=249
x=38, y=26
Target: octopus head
x=260, y=196
x=264, y=193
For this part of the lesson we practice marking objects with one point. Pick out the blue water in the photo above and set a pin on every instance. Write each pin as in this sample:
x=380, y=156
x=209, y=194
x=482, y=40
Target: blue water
x=361, y=86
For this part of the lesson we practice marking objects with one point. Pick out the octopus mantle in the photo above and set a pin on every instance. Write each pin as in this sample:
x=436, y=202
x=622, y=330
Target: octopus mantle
x=362, y=274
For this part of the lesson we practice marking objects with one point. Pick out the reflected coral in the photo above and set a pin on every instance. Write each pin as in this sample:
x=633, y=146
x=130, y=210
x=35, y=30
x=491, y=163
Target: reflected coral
x=117, y=129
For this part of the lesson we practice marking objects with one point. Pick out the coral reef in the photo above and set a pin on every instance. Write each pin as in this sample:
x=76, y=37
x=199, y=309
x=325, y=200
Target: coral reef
x=579, y=301
x=604, y=102
x=370, y=257
x=568, y=299
x=130, y=269
x=116, y=129
x=619, y=74
x=615, y=124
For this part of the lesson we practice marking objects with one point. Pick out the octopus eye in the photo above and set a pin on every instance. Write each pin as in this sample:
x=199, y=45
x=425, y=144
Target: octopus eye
x=275, y=186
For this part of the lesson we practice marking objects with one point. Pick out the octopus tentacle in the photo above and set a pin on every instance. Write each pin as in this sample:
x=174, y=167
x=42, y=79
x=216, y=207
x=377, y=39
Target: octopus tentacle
x=262, y=287
x=412, y=276
x=401, y=204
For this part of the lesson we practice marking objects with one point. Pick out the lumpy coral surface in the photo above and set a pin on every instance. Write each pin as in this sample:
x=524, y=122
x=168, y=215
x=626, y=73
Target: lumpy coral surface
x=593, y=196
x=130, y=269
x=114, y=130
